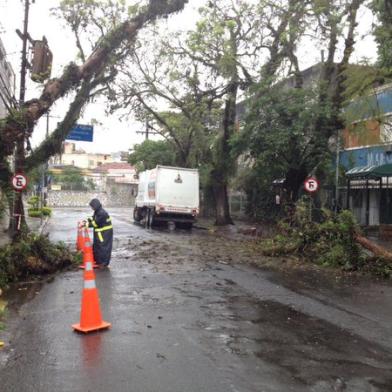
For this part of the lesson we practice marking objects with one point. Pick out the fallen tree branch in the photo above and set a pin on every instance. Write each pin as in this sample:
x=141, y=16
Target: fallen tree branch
x=15, y=125
x=377, y=250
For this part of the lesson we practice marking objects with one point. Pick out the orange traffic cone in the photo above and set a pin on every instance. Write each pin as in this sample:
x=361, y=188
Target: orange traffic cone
x=80, y=239
x=86, y=237
x=88, y=254
x=90, y=314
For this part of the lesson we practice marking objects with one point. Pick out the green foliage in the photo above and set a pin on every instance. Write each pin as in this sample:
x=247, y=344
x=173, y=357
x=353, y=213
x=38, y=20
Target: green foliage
x=32, y=255
x=280, y=141
x=46, y=211
x=383, y=32
x=256, y=182
x=3, y=204
x=90, y=184
x=35, y=213
x=330, y=243
x=33, y=202
x=71, y=177
x=361, y=79
x=280, y=125
x=35, y=176
x=151, y=153
x=93, y=18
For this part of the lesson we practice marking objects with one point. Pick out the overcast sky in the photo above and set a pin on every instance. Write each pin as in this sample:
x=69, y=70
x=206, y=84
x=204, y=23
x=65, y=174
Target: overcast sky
x=112, y=135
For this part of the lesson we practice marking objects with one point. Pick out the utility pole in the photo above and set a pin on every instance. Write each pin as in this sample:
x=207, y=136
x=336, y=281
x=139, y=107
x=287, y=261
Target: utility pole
x=18, y=218
x=23, y=68
x=148, y=131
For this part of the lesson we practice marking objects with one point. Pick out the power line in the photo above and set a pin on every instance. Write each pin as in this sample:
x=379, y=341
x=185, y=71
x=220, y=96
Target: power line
x=148, y=131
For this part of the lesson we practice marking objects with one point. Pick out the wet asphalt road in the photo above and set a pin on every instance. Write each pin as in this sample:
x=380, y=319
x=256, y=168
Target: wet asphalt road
x=187, y=316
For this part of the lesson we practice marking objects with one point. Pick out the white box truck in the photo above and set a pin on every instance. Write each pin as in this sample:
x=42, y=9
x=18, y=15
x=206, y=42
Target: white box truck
x=167, y=194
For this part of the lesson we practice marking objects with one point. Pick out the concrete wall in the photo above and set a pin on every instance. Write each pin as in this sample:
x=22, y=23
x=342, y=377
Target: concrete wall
x=117, y=196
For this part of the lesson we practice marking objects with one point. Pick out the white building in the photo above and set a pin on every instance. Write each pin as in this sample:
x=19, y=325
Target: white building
x=7, y=83
x=79, y=158
x=114, y=173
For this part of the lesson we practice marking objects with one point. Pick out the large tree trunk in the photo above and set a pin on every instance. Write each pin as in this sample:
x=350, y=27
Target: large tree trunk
x=17, y=219
x=222, y=209
x=224, y=162
x=295, y=178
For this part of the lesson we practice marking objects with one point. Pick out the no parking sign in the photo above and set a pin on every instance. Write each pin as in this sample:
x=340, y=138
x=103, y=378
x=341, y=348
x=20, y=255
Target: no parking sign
x=19, y=182
x=311, y=185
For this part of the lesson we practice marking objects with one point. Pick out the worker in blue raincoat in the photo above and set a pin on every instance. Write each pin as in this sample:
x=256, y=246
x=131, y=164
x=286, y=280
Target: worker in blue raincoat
x=103, y=233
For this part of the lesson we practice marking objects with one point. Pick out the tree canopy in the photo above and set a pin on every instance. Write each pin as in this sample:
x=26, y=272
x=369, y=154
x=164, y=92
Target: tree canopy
x=82, y=79
x=149, y=154
x=188, y=85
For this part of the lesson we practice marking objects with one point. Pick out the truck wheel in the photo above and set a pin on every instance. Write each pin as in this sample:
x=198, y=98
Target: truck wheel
x=147, y=218
x=136, y=215
x=150, y=218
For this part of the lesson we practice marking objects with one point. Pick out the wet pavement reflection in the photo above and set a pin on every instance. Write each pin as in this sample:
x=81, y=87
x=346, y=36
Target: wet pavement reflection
x=189, y=314
x=91, y=350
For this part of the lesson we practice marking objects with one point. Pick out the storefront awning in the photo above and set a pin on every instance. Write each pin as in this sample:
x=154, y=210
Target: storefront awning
x=371, y=171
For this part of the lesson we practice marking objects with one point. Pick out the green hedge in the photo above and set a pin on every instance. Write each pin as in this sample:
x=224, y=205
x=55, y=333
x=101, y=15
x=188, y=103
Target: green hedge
x=33, y=202
x=34, y=213
x=46, y=211
x=39, y=212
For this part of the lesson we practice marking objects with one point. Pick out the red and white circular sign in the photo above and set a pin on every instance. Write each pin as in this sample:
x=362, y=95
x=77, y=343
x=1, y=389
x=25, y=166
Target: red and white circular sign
x=19, y=182
x=311, y=185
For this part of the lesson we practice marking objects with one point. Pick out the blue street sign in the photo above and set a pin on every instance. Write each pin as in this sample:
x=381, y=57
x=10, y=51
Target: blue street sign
x=80, y=132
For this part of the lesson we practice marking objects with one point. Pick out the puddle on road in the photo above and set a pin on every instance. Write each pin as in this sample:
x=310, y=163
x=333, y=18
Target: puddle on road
x=310, y=351
x=20, y=293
